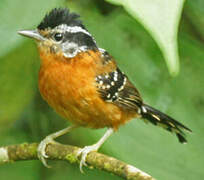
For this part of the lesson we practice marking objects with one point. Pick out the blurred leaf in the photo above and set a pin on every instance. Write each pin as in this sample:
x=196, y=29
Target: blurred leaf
x=16, y=90
x=194, y=14
x=161, y=19
x=14, y=17
x=17, y=57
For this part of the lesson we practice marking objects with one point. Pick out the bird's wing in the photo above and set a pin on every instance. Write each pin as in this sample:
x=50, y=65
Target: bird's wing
x=115, y=87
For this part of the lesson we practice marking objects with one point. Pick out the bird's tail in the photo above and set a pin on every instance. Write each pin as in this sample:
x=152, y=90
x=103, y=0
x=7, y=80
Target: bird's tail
x=158, y=118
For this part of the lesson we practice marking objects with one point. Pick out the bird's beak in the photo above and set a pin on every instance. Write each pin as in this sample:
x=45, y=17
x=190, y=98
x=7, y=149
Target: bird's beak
x=34, y=34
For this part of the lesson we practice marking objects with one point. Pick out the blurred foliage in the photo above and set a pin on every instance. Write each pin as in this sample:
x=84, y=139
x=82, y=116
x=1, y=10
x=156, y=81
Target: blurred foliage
x=24, y=116
x=161, y=19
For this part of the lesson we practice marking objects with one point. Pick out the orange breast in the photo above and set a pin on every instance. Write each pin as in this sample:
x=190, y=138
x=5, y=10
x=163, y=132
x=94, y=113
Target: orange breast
x=68, y=85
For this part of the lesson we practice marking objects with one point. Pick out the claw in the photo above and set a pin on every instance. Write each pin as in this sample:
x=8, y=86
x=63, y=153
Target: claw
x=48, y=140
x=83, y=153
x=87, y=149
x=41, y=153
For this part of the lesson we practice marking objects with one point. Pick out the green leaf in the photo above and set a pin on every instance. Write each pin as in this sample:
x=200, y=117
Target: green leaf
x=161, y=19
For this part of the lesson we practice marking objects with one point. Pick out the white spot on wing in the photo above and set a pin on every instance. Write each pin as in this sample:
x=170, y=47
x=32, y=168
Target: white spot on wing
x=156, y=117
x=115, y=76
x=144, y=109
x=125, y=80
x=102, y=50
x=121, y=88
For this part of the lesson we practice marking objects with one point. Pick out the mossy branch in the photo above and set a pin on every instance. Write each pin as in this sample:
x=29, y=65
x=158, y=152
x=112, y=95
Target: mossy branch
x=68, y=153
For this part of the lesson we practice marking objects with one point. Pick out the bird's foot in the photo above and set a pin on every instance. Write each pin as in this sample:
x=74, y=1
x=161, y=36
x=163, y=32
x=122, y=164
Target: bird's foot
x=83, y=153
x=41, y=151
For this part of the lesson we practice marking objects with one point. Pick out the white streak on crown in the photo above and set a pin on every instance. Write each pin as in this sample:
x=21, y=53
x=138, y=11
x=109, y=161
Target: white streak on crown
x=73, y=29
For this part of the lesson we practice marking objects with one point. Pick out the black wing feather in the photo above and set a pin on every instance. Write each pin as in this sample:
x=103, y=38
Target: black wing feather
x=115, y=87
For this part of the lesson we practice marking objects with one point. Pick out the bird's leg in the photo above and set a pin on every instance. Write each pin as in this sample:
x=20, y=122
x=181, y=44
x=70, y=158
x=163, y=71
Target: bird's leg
x=87, y=149
x=50, y=139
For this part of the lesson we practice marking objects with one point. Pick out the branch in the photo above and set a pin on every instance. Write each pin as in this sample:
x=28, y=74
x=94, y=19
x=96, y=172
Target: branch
x=68, y=153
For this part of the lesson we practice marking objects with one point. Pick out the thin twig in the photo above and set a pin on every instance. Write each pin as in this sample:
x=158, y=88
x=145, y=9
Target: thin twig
x=68, y=153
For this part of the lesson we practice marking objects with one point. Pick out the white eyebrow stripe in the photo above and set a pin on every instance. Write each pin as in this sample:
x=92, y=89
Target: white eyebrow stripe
x=73, y=29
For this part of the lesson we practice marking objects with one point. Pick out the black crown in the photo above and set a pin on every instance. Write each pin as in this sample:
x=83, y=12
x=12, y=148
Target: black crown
x=59, y=16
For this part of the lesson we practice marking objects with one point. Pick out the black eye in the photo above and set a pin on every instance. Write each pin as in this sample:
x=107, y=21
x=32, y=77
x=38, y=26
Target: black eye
x=58, y=36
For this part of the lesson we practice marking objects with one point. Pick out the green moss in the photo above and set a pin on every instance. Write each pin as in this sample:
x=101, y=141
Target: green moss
x=107, y=165
x=33, y=149
x=23, y=145
x=26, y=149
x=71, y=158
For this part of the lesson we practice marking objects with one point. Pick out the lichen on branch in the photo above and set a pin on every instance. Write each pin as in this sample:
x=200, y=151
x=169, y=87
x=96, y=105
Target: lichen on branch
x=57, y=151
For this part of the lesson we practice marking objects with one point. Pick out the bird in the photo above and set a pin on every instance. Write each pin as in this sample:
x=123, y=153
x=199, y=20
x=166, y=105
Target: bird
x=83, y=83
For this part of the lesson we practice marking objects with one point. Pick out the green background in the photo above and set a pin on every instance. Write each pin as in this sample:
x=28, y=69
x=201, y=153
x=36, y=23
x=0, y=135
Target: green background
x=25, y=117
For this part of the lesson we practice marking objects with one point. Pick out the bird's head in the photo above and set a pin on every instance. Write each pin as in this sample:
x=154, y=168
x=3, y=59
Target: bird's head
x=61, y=32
